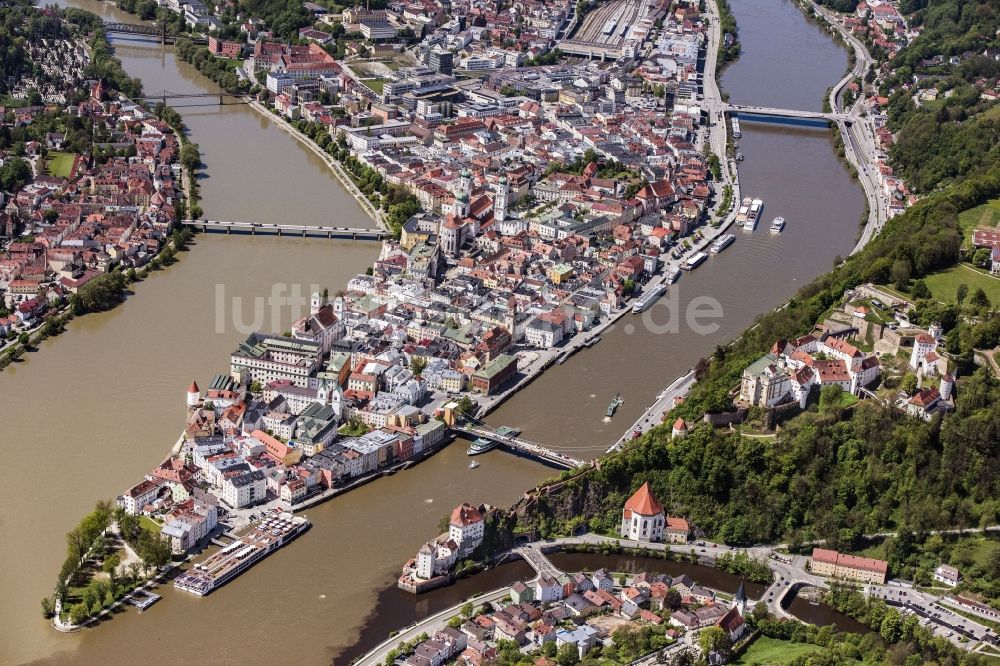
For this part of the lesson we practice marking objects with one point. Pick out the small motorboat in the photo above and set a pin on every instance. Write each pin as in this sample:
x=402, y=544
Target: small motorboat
x=473, y=465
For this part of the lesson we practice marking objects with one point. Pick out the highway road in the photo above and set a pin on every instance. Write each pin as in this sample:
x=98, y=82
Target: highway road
x=653, y=416
x=860, y=147
x=714, y=104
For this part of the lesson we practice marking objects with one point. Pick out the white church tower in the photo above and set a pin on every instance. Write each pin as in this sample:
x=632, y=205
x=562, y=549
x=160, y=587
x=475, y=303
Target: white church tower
x=500, y=199
x=316, y=303
x=465, y=182
x=193, y=395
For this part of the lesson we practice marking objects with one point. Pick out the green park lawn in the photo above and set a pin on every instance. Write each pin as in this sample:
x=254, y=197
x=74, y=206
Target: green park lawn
x=944, y=284
x=60, y=164
x=986, y=215
x=767, y=650
x=149, y=525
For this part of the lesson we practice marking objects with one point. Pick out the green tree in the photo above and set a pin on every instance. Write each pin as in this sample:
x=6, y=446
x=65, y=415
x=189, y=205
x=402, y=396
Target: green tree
x=48, y=607
x=920, y=289
x=979, y=299
x=14, y=174
x=830, y=397
x=900, y=273
x=567, y=654
x=190, y=156
x=91, y=599
x=891, y=626
x=993, y=565
x=444, y=522
x=78, y=614
x=909, y=384
x=111, y=563
x=418, y=364
x=101, y=293
x=981, y=257
x=961, y=292
x=714, y=639
x=465, y=405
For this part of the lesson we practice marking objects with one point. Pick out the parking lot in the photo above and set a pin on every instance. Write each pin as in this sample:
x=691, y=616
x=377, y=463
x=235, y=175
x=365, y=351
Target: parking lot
x=936, y=617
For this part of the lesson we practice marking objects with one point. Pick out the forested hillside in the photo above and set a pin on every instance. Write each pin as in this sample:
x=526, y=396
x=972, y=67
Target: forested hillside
x=830, y=474
x=958, y=134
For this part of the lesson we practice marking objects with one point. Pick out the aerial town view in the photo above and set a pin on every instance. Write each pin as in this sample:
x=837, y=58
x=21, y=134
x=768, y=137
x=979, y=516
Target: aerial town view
x=598, y=332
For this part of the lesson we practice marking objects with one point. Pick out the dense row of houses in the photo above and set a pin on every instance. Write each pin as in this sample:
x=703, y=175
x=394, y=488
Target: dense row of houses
x=581, y=610
x=105, y=215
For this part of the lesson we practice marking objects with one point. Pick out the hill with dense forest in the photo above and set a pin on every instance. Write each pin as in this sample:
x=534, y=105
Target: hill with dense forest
x=831, y=473
x=957, y=134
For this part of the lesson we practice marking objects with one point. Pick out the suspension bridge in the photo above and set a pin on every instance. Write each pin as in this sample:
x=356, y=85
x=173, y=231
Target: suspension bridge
x=473, y=427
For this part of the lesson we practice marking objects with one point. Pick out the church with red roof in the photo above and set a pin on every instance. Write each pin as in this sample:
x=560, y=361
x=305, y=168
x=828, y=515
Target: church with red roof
x=643, y=519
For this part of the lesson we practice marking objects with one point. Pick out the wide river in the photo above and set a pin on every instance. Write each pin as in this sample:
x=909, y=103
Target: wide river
x=103, y=403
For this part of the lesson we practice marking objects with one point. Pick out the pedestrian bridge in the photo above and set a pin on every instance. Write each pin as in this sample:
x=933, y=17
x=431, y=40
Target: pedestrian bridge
x=475, y=428
x=303, y=230
x=746, y=110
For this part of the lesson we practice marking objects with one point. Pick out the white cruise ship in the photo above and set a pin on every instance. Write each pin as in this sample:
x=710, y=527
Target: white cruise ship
x=743, y=214
x=695, y=261
x=256, y=543
x=648, y=298
x=722, y=243
x=756, y=208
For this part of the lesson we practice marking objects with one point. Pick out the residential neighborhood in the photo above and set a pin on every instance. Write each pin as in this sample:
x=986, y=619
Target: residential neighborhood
x=580, y=612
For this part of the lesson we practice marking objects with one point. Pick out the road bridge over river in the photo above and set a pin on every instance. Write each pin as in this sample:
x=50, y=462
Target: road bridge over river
x=747, y=110
x=304, y=230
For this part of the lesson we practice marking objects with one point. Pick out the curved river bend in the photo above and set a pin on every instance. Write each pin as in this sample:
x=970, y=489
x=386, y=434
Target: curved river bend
x=100, y=405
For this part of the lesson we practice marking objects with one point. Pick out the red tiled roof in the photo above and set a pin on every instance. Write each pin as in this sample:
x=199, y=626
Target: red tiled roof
x=849, y=561
x=466, y=514
x=677, y=524
x=643, y=502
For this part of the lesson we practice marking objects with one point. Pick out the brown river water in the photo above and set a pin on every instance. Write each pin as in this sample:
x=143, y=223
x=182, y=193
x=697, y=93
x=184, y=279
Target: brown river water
x=103, y=403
